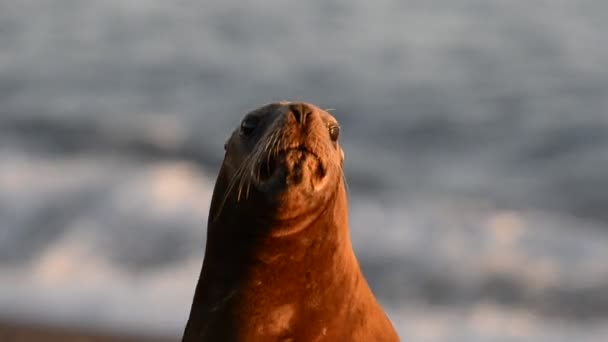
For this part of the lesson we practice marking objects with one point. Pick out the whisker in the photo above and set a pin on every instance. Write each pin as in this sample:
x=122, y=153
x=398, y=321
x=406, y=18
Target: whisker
x=237, y=177
x=278, y=148
x=246, y=166
x=253, y=166
x=229, y=188
x=247, y=192
x=346, y=186
x=268, y=149
x=248, y=180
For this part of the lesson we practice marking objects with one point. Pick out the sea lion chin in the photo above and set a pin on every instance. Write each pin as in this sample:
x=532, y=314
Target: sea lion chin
x=278, y=263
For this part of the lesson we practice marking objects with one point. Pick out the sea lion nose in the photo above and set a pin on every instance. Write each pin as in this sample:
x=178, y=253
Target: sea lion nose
x=300, y=111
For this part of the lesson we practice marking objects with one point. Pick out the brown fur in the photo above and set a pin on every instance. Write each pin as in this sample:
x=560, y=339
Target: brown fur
x=279, y=265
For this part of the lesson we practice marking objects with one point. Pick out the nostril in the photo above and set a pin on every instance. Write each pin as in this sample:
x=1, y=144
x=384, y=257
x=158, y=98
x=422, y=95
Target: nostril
x=300, y=112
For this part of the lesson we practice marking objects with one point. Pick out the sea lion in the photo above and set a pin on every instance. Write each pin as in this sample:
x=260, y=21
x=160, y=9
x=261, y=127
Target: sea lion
x=279, y=265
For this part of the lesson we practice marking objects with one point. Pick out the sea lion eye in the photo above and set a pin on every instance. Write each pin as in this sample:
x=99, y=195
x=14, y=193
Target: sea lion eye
x=249, y=125
x=334, y=132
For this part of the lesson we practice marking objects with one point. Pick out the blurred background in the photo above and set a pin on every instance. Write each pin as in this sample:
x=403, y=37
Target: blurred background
x=475, y=132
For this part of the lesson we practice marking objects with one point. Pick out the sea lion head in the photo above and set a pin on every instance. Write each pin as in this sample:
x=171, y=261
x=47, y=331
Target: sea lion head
x=285, y=156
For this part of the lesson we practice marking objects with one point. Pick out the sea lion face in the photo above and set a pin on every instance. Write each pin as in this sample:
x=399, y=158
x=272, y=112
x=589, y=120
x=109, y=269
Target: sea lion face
x=286, y=153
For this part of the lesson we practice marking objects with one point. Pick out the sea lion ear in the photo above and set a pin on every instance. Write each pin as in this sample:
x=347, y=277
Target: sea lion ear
x=341, y=155
x=226, y=145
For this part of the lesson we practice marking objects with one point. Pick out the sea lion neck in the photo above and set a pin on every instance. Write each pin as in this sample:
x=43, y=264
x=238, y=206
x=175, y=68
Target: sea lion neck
x=300, y=273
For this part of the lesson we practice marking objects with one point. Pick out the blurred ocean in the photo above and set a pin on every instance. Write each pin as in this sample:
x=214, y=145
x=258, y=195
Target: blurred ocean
x=475, y=132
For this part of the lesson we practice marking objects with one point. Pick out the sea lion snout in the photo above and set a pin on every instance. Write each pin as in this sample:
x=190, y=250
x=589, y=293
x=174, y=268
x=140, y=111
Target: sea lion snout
x=302, y=147
x=286, y=152
x=300, y=111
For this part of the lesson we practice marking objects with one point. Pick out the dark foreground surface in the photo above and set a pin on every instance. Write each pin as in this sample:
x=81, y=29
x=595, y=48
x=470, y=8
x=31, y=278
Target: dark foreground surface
x=21, y=332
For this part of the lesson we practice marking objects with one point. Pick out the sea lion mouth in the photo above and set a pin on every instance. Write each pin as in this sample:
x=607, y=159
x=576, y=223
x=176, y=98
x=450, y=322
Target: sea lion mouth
x=291, y=164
